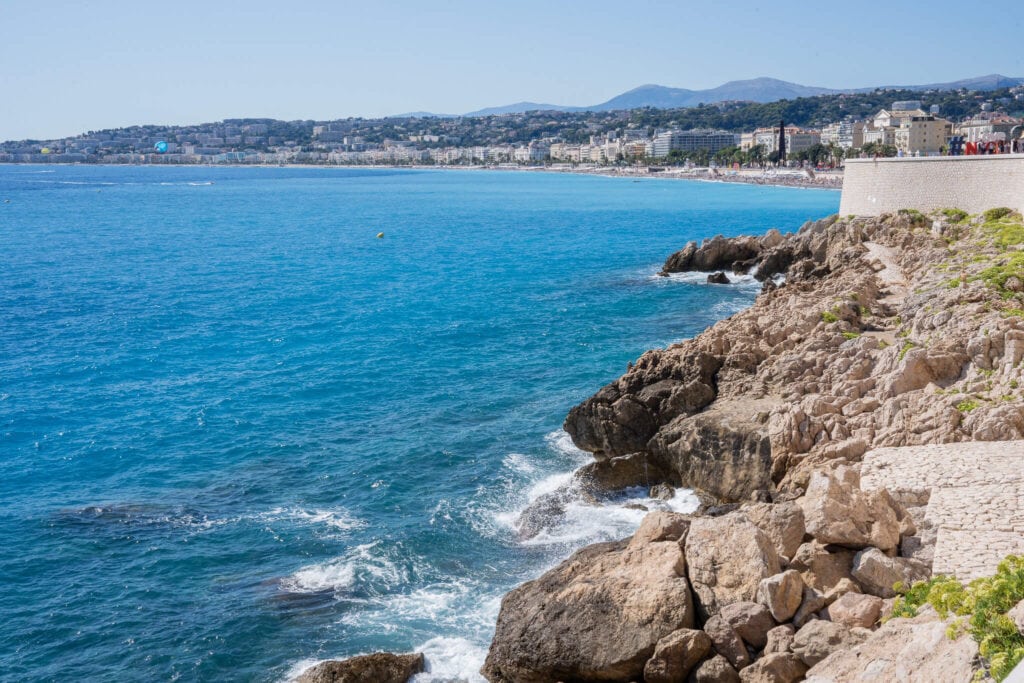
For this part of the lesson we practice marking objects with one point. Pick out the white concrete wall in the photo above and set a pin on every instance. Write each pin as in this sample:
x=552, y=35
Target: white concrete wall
x=972, y=183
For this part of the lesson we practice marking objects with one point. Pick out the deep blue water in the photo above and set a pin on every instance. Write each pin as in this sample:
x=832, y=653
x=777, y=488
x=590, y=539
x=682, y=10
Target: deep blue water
x=238, y=432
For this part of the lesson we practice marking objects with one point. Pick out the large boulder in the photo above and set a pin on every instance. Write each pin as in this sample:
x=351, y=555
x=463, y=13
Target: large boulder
x=380, y=667
x=778, y=667
x=782, y=522
x=675, y=655
x=856, y=609
x=596, y=616
x=913, y=650
x=724, y=452
x=726, y=558
x=819, y=638
x=836, y=511
x=877, y=573
x=821, y=566
x=781, y=594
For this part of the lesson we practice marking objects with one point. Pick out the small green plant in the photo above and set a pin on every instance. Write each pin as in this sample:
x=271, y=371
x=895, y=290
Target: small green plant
x=967, y=405
x=829, y=317
x=979, y=609
x=905, y=349
x=1014, y=384
x=955, y=215
x=851, y=335
x=987, y=372
x=865, y=311
x=996, y=214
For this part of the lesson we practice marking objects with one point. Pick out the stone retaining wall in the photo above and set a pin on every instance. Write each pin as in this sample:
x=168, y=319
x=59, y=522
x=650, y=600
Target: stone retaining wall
x=973, y=183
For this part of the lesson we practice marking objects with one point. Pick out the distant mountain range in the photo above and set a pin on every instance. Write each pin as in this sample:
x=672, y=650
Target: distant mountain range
x=753, y=90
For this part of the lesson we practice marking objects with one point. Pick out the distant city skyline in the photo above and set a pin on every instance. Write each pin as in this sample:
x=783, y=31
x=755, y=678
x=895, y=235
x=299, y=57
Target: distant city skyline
x=66, y=68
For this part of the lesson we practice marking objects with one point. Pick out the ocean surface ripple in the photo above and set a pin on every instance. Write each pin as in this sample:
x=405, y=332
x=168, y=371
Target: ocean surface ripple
x=240, y=434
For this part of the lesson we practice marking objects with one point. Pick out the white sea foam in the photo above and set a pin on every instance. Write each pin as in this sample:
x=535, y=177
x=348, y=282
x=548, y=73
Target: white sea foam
x=616, y=518
x=298, y=668
x=745, y=280
x=332, y=519
x=560, y=442
x=364, y=564
x=451, y=660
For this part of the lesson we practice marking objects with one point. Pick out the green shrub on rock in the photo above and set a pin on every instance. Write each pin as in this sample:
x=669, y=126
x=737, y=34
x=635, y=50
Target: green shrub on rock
x=979, y=609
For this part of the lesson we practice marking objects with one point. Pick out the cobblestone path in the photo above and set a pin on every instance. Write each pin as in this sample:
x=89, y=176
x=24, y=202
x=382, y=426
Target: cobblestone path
x=974, y=493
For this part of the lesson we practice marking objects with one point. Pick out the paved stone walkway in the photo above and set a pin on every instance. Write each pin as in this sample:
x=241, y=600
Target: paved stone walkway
x=974, y=493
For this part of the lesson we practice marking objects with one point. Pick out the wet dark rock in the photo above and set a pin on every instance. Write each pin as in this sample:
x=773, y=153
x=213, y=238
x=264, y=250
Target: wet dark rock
x=380, y=667
x=718, y=278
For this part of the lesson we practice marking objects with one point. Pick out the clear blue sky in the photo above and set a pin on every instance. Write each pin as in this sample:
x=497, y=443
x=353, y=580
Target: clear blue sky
x=68, y=67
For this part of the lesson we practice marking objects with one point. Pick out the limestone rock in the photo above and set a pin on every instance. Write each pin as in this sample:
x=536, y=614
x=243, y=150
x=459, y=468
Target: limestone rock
x=812, y=602
x=856, y=609
x=380, y=667
x=782, y=522
x=750, y=620
x=713, y=254
x=615, y=474
x=675, y=655
x=598, y=615
x=661, y=525
x=717, y=669
x=821, y=566
x=622, y=417
x=727, y=642
x=779, y=667
x=818, y=639
x=726, y=558
x=836, y=511
x=876, y=572
x=723, y=451
x=841, y=588
x=1016, y=615
x=911, y=650
x=781, y=594
x=779, y=639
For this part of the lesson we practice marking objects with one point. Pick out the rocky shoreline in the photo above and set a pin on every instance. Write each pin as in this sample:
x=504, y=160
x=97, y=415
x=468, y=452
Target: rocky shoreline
x=894, y=331
x=901, y=330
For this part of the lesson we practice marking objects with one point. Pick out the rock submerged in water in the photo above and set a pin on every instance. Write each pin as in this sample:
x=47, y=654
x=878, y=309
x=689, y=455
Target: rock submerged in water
x=718, y=278
x=380, y=667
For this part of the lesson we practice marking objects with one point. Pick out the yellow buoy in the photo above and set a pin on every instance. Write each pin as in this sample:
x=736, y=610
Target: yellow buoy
x=380, y=235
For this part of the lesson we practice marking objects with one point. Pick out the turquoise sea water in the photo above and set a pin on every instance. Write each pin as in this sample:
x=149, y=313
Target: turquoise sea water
x=238, y=433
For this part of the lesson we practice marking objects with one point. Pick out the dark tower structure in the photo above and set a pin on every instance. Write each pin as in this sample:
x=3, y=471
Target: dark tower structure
x=782, y=142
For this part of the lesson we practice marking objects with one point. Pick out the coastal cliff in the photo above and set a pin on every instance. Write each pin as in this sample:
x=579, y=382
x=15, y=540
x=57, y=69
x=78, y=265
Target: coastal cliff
x=898, y=330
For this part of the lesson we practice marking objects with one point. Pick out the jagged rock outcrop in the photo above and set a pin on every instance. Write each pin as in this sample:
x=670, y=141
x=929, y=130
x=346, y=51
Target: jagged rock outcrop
x=380, y=667
x=865, y=344
x=717, y=253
